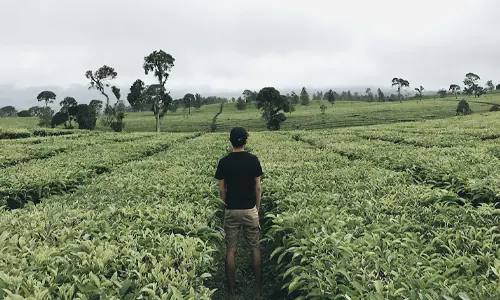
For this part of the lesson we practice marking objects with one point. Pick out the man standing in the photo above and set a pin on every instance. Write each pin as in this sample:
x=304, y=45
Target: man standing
x=239, y=176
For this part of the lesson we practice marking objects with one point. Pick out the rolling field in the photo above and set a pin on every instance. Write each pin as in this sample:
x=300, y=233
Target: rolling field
x=394, y=211
x=341, y=114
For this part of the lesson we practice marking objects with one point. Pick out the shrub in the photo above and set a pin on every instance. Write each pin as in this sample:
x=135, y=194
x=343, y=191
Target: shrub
x=58, y=119
x=24, y=114
x=495, y=107
x=85, y=117
x=463, y=108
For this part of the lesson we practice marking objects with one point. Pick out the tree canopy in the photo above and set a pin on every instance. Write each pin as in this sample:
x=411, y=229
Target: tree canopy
x=99, y=80
x=271, y=102
x=47, y=97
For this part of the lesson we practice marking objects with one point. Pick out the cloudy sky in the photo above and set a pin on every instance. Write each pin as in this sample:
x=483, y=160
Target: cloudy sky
x=223, y=46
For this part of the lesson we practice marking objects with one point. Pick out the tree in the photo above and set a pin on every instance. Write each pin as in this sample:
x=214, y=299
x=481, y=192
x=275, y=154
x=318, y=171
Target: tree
x=289, y=107
x=322, y=108
x=249, y=96
x=349, y=96
x=189, y=101
x=419, y=92
x=304, y=97
x=47, y=97
x=442, y=93
x=117, y=92
x=454, y=88
x=8, y=111
x=400, y=83
x=198, y=100
x=271, y=102
x=69, y=109
x=294, y=98
x=498, y=87
x=99, y=80
x=381, y=96
x=134, y=97
x=24, y=114
x=58, y=119
x=85, y=117
x=241, y=104
x=96, y=105
x=490, y=85
x=160, y=63
x=470, y=81
x=36, y=111
x=369, y=94
x=330, y=97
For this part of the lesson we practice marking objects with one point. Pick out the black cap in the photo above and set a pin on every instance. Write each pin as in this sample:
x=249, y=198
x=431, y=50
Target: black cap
x=238, y=135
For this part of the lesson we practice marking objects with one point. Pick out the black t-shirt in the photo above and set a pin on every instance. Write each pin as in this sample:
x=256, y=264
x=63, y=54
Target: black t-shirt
x=239, y=170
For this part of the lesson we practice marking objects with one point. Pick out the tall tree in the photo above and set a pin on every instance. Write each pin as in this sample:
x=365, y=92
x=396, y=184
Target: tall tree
x=249, y=96
x=349, y=95
x=69, y=109
x=47, y=97
x=369, y=94
x=241, y=104
x=189, y=101
x=381, y=96
x=420, y=91
x=271, y=102
x=304, y=97
x=470, y=82
x=498, y=87
x=198, y=100
x=160, y=63
x=36, y=111
x=331, y=97
x=490, y=85
x=454, y=88
x=294, y=98
x=134, y=97
x=400, y=83
x=99, y=80
x=96, y=105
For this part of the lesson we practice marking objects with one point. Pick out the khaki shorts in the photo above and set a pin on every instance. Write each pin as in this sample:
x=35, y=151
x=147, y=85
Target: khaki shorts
x=248, y=219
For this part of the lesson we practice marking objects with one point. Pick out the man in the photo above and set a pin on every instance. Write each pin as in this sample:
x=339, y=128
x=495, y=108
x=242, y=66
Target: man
x=239, y=176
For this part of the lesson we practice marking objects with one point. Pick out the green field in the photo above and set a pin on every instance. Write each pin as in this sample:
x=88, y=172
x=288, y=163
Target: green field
x=394, y=211
x=341, y=114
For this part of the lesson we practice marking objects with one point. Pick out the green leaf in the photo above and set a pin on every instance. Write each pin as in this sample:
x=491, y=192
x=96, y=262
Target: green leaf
x=294, y=285
x=176, y=292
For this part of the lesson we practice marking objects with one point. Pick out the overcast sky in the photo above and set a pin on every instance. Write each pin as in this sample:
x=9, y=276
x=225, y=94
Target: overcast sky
x=222, y=46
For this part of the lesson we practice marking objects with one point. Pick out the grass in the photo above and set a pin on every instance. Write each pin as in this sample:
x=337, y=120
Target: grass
x=341, y=114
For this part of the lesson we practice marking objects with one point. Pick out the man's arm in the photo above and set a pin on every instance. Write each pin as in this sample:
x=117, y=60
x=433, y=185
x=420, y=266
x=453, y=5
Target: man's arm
x=258, y=192
x=222, y=190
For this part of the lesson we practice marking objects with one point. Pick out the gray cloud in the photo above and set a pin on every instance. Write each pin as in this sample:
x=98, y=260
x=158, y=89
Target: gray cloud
x=227, y=46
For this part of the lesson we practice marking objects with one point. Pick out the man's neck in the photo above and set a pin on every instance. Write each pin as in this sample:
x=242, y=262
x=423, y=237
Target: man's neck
x=242, y=149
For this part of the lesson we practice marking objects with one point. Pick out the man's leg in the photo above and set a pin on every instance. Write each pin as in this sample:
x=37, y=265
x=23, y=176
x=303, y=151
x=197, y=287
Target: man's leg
x=231, y=269
x=257, y=269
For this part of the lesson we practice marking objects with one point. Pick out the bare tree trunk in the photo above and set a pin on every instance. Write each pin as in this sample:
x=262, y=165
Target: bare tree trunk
x=157, y=123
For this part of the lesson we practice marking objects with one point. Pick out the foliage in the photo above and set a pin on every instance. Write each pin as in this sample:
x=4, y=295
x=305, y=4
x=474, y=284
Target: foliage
x=369, y=94
x=400, y=83
x=463, y=108
x=470, y=82
x=419, y=92
x=495, y=107
x=99, y=80
x=47, y=97
x=59, y=118
x=24, y=114
x=241, y=104
x=36, y=111
x=160, y=63
x=249, y=96
x=45, y=117
x=189, y=100
x=490, y=85
x=442, y=93
x=498, y=87
x=330, y=96
x=304, y=97
x=96, y=105
x=454, y=88
x=134, y=97
x=381, y=96
x=294, y=99
x=85, y=117
x=8, y=111
x=198, y=101
x=116, y=92
x=271, y=102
